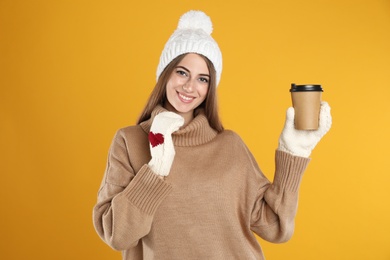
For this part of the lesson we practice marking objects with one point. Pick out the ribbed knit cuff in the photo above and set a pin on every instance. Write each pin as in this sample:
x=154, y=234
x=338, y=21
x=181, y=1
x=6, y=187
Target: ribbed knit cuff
x=146, y=191
x=289, y=170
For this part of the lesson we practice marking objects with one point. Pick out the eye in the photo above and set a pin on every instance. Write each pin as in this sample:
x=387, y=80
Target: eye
x=204, y=80
x=181, y=72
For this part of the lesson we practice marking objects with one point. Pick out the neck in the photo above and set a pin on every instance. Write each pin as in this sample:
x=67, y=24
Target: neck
x=188, y=116
x=197, y=132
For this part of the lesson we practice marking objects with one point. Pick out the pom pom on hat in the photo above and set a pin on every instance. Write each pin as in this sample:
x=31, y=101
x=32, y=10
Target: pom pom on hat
x=193, y=35
x=195, y=20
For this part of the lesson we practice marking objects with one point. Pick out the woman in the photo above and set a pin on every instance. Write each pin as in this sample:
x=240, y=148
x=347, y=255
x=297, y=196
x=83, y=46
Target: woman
x=179, y=186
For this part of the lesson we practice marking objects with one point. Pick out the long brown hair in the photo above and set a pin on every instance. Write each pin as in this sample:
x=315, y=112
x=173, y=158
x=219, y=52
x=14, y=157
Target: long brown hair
x=210, y=104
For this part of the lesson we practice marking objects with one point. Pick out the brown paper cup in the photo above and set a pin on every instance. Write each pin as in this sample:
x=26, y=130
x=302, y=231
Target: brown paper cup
x=306, y=100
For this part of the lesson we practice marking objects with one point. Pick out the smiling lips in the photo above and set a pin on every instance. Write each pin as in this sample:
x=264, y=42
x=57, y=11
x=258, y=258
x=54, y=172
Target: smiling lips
x=184, y=98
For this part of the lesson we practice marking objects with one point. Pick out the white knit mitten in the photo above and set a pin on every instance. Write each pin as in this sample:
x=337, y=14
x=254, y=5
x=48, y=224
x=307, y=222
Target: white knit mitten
x=302, y=142
x=160, y=141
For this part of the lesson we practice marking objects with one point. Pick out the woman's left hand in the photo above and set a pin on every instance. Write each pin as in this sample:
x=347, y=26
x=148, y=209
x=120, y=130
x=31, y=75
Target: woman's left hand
x=302, y=142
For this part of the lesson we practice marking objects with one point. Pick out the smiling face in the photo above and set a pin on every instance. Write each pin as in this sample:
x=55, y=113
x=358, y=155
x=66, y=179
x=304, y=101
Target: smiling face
x=187, y=86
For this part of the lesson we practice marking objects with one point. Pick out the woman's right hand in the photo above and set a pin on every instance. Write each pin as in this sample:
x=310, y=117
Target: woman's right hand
x=160, y=141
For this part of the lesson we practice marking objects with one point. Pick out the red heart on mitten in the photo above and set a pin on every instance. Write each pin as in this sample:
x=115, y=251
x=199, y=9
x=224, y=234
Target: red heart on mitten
x=156, y=139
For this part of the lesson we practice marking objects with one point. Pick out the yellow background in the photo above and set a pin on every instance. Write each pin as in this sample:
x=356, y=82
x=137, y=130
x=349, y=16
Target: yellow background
x=73, y=72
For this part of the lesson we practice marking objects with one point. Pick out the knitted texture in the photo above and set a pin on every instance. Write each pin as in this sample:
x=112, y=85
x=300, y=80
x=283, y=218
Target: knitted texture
x=302, y=142
x=193, y=35
x=160, y=140
x=209, y=205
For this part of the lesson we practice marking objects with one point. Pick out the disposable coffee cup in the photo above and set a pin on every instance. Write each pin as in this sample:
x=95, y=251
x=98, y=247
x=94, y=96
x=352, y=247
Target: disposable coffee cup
x=306, y=100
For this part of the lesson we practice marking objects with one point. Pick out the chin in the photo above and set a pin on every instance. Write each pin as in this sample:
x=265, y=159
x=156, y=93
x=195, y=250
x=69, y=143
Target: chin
x=185, y=110
x=181, y=108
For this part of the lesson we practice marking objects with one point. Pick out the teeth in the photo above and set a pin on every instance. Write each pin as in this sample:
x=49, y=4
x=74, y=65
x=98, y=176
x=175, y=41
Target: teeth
x=185, y=98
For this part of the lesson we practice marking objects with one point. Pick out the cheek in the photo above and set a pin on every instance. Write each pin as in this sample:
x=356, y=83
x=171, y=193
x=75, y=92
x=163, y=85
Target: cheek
x=203, y=91
x=169, y=93
x=169, y=88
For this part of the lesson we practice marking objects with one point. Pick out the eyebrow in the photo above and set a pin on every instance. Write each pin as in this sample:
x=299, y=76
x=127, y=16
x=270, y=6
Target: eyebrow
x=184, y=68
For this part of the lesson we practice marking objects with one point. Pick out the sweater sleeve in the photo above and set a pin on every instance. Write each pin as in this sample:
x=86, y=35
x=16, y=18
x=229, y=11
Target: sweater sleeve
x=276, y=205
x=126, y=200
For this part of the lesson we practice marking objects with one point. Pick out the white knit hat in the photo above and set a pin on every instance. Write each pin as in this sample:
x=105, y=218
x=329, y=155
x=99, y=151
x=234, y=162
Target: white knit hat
x=193, y=35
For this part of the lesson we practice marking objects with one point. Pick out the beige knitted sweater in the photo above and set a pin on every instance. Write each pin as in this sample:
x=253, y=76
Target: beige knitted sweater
x=208, y=207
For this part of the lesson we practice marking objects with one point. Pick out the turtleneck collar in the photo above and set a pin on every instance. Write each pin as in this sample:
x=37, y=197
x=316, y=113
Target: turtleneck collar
x=197, y=132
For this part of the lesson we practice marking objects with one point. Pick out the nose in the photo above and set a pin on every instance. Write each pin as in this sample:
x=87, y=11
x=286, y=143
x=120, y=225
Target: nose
x=189, y=85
